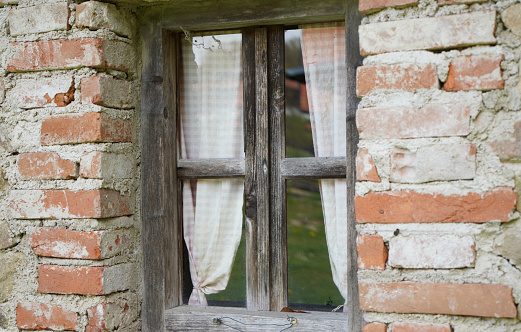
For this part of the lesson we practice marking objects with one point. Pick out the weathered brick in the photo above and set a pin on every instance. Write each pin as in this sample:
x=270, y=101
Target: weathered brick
x=106, y=91
x=6, y=240
x=63, y=243
x=433, y=163
x=8, y=2
x=432, y=251
x=368, y=6
x=433, y=120
x=372, y=252
x=39, y=316
x=40, y=18
x=44, y=204
x=84, y=128
x=475, y=72
x=365, y=167
x=70, y=53
x=45, y=165
x=509, y=148
x=104, y=165
x=375, y=327
x=430, y=33
x=92, y=280
x=2, y=91
x=483, y=300
x=512, y=18
x=41, y=92
x=406, y=77
x=95, y=15
x=412, y=327
x=414, y=207
x=112, y=315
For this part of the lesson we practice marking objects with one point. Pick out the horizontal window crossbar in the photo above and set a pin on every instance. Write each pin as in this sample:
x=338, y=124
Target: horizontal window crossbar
x=210, y=168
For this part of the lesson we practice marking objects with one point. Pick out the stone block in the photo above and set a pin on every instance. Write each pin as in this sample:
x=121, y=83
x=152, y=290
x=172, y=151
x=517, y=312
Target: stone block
x=104, y=165
x=9, y=262
x=96, y=15
x=512, y=18
x=108, y=92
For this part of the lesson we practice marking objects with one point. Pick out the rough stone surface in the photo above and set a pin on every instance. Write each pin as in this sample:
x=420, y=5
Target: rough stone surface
x=45, y=165
x=40, y=18
x=431, y=33
x=372, y=252
x=365, y=167
x=475, y=72
x=413, y=207
x=95, y=15
x=411, y=327
x=483, y=300
x=433, y=120
x=112, y=314
x=73, y=53
x=368, y=6
x=512, y=18
x=407, y=77
x=44, y=204
x=508, y=244
x=104, y=165
x=432, y=251
x=509, y=147
x=88, y=127
x=6, y=240
x=39, y=316
x=433, y=163
x=42, y=92
x=375, y=327
x=105, y=91
x=452, y=2
x=10, y=262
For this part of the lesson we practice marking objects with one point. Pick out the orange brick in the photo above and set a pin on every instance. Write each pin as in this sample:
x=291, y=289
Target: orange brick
x=405, y=77
x=88, y=127
x=368, y=6
x=483, y=300
x=372, y=252
x=375, y=327
x=45, y=165
x=410, y=327
x=475, y=72
x=70, y=53
x=414, y=207
x=39, y=316
x=365, y=167
x=43, y=204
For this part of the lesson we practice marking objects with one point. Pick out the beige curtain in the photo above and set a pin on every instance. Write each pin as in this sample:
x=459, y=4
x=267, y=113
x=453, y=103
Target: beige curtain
x=211, y=127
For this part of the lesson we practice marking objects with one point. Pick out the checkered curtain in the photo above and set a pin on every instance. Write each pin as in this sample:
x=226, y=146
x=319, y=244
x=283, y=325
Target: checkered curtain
x=211, y=127
x=323, y=52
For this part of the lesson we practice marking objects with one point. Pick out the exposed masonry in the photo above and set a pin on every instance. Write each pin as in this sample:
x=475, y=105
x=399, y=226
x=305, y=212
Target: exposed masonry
x=438, y=166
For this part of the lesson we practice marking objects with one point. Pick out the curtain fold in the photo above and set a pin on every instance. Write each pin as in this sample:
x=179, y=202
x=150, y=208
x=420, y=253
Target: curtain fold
x=323, y=52
x=211, y=127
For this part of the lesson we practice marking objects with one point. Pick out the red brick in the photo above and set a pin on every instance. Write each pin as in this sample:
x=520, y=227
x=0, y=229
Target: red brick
x=413, y=207
x=365, y=167
x=372, y=252
x=92, y=280
x=411, y=327
x=375, y=327
x=405, y=77
x=106, y=91
x=483, y=300
x=431, y=33
x=70, y=53
x=45, y=165
x=84, y=128
x=475, y=72
x=39, y=316
x=43, y=204
x=433, y=120
x=368, y=6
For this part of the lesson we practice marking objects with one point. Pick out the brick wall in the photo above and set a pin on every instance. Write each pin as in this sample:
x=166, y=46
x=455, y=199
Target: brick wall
x=438, y=166
x=68, y=175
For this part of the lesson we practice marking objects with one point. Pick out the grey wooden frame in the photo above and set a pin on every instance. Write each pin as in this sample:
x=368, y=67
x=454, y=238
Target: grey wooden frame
x=160, y=171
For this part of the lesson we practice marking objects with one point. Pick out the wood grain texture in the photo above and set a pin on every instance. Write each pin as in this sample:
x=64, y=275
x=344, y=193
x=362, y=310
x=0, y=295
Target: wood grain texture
x=277, y=149
x=210, y=168
x=190, y=318
x=314, y=168
x=355, y=319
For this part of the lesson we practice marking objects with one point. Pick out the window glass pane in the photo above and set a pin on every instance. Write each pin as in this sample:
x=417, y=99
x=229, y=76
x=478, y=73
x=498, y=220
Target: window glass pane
x=311, y=285
x=211, y=97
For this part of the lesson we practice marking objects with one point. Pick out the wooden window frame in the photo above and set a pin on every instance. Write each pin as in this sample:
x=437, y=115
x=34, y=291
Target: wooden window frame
x=162, y=273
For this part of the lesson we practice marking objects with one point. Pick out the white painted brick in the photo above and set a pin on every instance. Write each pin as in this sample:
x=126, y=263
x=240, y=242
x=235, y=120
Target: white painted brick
x=433, y=163
x=41, y=92
x=431, y=251
x=428, y=33
x=95, y=15
x=117, y=278
x=40, y=18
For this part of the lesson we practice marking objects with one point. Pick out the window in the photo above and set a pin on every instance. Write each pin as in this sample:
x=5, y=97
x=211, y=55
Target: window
x=264, y=168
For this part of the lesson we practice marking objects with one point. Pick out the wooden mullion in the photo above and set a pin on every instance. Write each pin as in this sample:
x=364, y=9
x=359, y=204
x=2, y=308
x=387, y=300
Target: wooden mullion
x=277, y=150
x=314, y=168
x=210, y=168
